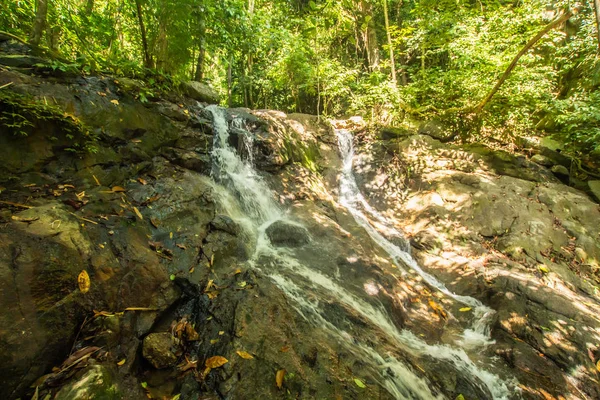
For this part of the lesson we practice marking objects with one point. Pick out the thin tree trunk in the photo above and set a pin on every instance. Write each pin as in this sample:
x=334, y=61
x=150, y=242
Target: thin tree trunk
x=39, y=24
x=229, y=83
x=147, y=57
x=370, y=37
x=389, y=39
x=199, y=75
x=597, y=10
x=563, y=18
x=89, y=7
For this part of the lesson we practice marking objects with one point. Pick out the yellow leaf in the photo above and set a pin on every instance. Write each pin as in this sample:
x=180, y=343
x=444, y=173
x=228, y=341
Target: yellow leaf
x=598, y=365
x=216, y=362
x=244, y=354
x=115, y=102
x=84, y=281
x=279, y=378
x=213, y=341
x=543, y=268
x=118, y=189
x=170, y=235
x=121, y=362
x=465, y=309
x=221, y=333
x=142, y=181
x=438, y=309
x=138, y=213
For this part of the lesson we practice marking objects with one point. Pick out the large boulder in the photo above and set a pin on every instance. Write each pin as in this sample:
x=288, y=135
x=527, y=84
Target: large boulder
x=595, y=189
x=287, y=234
x=158, y=350
x=201, y=92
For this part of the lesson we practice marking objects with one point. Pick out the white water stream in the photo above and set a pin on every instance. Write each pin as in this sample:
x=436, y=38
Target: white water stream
x=309, y=289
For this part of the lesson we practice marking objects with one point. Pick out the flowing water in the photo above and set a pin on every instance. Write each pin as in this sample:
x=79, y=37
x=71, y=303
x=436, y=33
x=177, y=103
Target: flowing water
x=310, y=288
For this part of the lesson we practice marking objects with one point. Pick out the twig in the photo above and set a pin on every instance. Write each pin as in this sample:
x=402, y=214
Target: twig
x=83, y=219
x=10, y=203
x=7, y=85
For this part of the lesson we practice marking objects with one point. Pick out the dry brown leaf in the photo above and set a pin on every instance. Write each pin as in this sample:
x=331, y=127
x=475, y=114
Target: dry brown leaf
x=181, y=246
x=216, y=362
x=245, y=355
x=101, y=94
x=285, y=349
x=438, y=309
x=279, y=378
x=142, y=181
x=121, y=362
x=138, y=213
x=154, y=223
x=115, y=102
x=598, y=365
x=83, y=280
x=212, y=295
x=118, y=189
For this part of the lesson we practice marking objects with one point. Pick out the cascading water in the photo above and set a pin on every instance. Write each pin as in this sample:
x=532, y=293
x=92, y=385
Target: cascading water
x=310, y=289
x=354, y=201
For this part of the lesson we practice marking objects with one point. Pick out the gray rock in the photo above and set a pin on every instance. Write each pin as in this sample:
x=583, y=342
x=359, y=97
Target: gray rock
x=560, y=170
x=158, y=350
x=542, y=160
x=172, y=111
x=201, y=92
x=188, y=159
x=286, y=234
x=595, y=189
x=226, y=224
x=435, y=130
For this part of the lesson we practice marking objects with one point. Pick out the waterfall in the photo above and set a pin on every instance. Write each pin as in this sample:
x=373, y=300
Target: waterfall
x=354, y=201
x=309, y=289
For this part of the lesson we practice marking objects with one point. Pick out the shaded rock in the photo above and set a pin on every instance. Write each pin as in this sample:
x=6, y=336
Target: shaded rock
x=172, y=111
x=95, y=383
x=20, y=61
x=188, y=159
x=542, y=160
x=286, y=234
x=560, y=170
x=389, y=132
x=226, y=224
x=201, y=92
x=595, y=189
x=158, y=350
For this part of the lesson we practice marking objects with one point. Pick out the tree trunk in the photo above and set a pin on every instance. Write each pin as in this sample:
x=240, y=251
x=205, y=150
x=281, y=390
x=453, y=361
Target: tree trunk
x=39, y=24
x=370, y=37
x=597, y=10
x=230, y=83
x=147, y=57
x=563, y=18
x=201, y=37
x=89, y=7
x=389, y=40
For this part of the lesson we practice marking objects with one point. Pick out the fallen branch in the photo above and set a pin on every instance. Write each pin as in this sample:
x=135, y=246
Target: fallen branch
x=7, y=85
x=10, y=203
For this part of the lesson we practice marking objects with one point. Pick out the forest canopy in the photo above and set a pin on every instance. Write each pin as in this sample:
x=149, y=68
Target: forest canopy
x=390, y=61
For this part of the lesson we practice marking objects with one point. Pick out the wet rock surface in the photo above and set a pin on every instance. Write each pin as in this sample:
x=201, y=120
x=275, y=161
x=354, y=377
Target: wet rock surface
x=171, y=284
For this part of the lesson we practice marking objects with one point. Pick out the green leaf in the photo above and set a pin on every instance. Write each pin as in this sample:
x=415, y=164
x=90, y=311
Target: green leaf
x=144, y=384
x=359, y=383
x=460, y=397
x=172, y=277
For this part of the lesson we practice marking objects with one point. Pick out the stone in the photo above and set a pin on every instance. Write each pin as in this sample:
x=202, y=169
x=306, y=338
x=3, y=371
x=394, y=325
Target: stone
x=287, y=234
x=551, y=144
x=435, y=129
x=20, y=61
x=188, y=159
x=95, y=383
x=560, y=170
x=542, y=160
x=157, y=349
x=226, y=224
x=595, y=189
x=389, y=133
x=201, y=92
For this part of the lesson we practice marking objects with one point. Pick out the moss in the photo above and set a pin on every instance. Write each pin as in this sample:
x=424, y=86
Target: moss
x=20, y=115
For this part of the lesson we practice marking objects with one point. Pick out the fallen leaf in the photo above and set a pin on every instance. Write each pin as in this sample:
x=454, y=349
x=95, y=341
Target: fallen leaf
x=138, y=213
x=285, y=349
x=213, y=341
x=245, y=355
x=238, y=271
x=359, y=383
x=598, y=365
x=100, y=245
x=154, y=222
x=142, y=181
x=144, y=384
x=465, y=309
x=279, y=378
x=221, y=333
x=216, y=362
x=543, y=268
x=21, y=219
x=182, y=247
x=212, y=295
x=84, y=281
x=209, y=285
x=460, y=397
x=170, y=235
x=438, y=309
x=191, y=271
x=115, y=102
x=118, y=189
x=101, y=94
x=121, y=362
x=242, y=284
